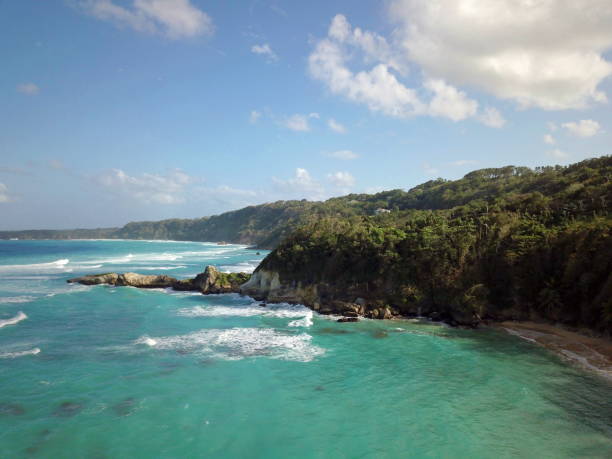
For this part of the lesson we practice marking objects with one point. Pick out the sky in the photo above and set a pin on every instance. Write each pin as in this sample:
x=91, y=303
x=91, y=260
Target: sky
x=115, y=111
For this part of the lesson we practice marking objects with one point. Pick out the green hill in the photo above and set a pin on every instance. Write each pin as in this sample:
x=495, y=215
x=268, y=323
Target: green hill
x=499, y=243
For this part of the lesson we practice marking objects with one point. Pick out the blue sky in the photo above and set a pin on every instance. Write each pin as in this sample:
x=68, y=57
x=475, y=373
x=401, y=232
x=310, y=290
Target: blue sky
x=113, y=111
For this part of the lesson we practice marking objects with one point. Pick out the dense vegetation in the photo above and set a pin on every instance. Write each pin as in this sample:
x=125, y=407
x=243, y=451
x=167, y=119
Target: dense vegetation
x=499, y=243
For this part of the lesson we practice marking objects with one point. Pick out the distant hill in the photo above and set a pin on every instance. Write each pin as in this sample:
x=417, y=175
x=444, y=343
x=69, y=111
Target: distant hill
x=578, y=189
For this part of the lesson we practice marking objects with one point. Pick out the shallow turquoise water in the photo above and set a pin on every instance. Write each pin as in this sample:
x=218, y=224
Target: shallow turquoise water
x=122, y=372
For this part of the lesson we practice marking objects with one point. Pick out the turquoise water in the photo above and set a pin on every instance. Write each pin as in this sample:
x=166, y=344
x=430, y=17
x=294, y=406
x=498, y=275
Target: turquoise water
x=121, y=372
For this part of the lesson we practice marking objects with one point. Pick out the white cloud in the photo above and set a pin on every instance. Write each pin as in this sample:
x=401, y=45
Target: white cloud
x=492, y=118
x=148, y=188
x=557, y=154
x=264, y=50
x=336, y=126
x=552, y=126
x=343, y=181
x=377, y=85
x=299, y=122
x=430, y=170
x=4, y=195
x=459, y=163
x=254, y=116
x=582, y=128
x=449, y=102
x=301, y=185
x=549, y=139
x=173, y=18
x=343, y=154
x=29, y=89
x=546, y=53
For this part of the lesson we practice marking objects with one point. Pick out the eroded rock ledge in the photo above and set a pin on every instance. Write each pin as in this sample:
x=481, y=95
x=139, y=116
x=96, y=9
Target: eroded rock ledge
x=208, y=282
x=326, y=298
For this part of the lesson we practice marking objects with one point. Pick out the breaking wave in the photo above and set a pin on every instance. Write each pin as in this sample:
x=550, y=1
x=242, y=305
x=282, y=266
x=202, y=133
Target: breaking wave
x=13, y=320
x=53, y=266
x=239, y=343
x=281, y=310
x=16, y=299
x=13, y=355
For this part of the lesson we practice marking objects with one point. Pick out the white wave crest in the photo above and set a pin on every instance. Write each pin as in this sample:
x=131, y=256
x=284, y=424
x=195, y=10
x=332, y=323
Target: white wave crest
x=240, y=343
x=13, y=355
x=306, y=321
x=161, y=268
x=243, y=267
x=13, y=320
x=16, y=299
x=54, y=266
x=282, y=310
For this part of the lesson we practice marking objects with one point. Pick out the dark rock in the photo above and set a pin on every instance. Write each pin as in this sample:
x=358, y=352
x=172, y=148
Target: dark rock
x=348, y=319
x=350, y=314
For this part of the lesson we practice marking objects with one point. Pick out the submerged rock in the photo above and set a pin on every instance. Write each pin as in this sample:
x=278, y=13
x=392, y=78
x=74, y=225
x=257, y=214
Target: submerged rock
x=68, y=409
x=126, y=407
x=12, y=409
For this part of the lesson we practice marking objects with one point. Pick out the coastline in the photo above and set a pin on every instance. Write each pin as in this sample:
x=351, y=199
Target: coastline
x=587, y=352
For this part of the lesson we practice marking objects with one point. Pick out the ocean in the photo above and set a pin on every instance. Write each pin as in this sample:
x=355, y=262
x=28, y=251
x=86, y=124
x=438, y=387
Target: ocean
x=119, y=372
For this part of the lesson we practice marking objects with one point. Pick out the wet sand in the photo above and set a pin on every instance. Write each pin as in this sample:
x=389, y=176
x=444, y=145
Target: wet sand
x=588, y=352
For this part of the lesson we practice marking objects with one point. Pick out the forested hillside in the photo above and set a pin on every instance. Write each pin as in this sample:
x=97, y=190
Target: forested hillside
x=499, y=243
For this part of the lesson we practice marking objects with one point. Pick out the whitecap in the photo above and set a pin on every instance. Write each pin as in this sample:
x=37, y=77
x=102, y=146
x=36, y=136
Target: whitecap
x=161, y=268
x=243, y=267
x=13, y=355
x=239, y=343
x=17, y=299
x=13, y=320
x=306, y=321
x=54, y=266
x=281, y=310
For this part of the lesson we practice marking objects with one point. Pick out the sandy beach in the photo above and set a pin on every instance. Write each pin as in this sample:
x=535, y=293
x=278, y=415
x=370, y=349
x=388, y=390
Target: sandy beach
x=592, y=353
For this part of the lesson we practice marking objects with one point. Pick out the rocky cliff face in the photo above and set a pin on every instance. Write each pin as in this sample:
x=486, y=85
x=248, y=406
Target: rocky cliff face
x=324, y=298
x=208, y=282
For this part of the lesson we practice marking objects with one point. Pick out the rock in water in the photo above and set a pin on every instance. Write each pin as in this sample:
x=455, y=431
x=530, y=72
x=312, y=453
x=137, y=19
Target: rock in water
x=96, y=279
x=68, y=409
x=144, y=281
x=210, y=281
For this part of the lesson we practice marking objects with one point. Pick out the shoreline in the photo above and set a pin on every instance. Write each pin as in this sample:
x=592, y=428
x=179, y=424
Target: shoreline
x=587, y=352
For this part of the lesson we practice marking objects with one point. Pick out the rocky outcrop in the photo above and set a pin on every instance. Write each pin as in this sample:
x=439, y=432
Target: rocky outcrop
x=210, y=281
x=267, y=286
x=326, y=298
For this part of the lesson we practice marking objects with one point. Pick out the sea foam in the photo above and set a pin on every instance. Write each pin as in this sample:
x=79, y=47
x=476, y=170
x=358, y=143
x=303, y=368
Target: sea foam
x=239, y=343
x=282, y=311
x=53, y=266
x=14, y=355
x=16, y=299
x=13, y=320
